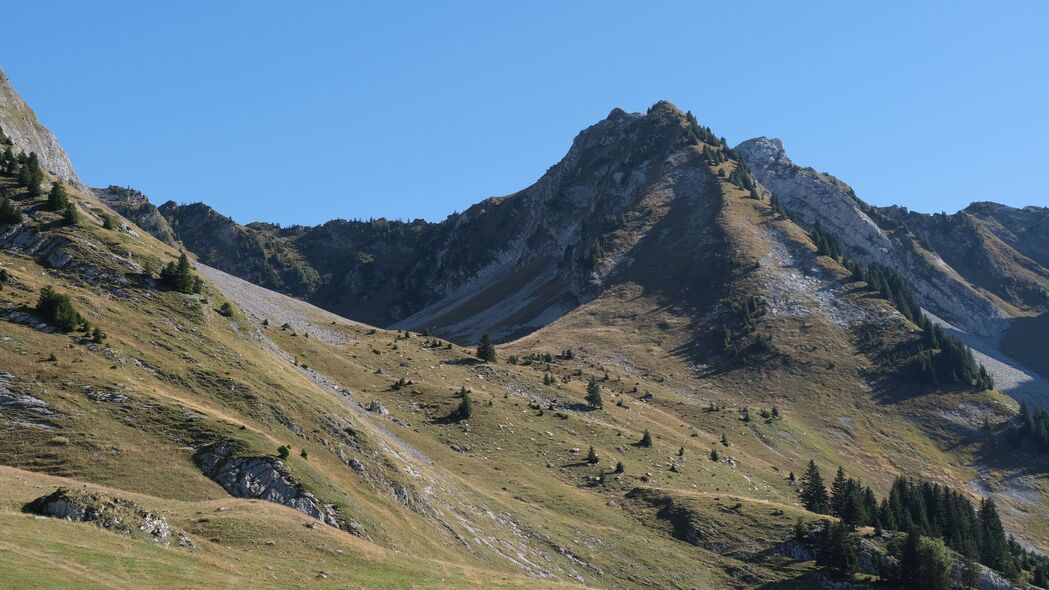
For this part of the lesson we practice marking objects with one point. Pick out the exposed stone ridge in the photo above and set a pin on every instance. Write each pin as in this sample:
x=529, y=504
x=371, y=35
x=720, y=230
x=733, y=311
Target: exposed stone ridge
x=20, y=124
x=810, y=196
x=111, y=513
x=262, y=478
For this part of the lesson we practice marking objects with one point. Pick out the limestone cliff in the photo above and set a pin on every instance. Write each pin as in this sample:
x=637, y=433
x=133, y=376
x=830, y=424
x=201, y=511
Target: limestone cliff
x=19, y=123
x=809, y=196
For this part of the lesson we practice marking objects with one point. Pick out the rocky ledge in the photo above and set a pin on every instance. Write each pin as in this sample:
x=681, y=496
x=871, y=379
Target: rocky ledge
x=111, y=513
x=265, y=478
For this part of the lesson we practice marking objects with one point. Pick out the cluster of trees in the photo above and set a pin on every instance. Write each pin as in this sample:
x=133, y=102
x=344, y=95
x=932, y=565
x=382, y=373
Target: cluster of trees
x=924, y=510
x=940, y=358
x=25, y=168
x=58, y=201
x=1034, y=426
x=9, y=212
x=179, y=276
x=696, y=133
x=57, y=309
x=746, y=312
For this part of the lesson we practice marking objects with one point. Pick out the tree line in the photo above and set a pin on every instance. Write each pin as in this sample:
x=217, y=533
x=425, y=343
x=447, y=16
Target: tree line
x=921, y=509
x=941, y=357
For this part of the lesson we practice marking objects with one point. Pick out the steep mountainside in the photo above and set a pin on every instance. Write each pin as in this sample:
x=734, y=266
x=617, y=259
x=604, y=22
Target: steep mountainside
x=812, y=196
x=20, y=124
x=507, y=265
x=686, y=351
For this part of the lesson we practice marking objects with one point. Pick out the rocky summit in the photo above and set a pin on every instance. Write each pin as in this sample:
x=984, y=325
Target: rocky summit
x=668, y=363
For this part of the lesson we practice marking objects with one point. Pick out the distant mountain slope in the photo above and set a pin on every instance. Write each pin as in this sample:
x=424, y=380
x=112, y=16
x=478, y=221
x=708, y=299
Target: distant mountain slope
x=507, y=265
x=19, y=122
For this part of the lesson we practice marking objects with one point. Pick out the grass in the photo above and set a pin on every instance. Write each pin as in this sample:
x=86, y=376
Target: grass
x=489, y=499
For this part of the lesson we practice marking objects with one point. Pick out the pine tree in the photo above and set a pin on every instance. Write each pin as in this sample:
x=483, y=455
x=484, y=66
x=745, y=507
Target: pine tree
x=836, y=551
x=591, y=456
x=57, y=199
x=70, y=215
x=465, y=409
x=486, y=350
x=9, y=212
x=179, y=276
x=714, y=455
x=813, y=492
x=646, y=439
x=837, y=492
x=994, y=549
x=593, y=395
x=58, y=310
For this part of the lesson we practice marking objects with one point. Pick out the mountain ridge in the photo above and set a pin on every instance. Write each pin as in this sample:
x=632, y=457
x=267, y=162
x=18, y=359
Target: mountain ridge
x=649, y=435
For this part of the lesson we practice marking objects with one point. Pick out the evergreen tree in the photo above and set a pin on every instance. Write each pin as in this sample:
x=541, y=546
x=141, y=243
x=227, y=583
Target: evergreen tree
x=58, y=198
x=70, y=215
x=836, y=551
x=813, y=492
x=994, y=549
x=837, y=492
x=593, y=395
x=714, y=455
x=179, y=276
x=465, y=409
x=934, y=565
x=57, y=310
x=9, y=212
x=646, y=439
x=591, y=456
x=486, y=350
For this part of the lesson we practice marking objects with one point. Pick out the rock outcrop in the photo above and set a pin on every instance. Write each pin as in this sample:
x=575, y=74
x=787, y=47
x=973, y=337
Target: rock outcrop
x=135, y=206
x=111, y=513
x=810, y=196
x=19, y=123
x=261, y=478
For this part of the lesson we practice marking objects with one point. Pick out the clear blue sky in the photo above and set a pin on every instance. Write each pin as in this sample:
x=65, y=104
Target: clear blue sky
x=298, y=112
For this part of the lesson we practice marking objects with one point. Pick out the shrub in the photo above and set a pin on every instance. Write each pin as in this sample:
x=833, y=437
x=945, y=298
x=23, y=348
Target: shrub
x=283, y=452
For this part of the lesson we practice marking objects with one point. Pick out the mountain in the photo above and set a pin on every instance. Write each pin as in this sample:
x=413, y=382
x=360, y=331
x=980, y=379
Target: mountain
x=506, y=266
x=20, y=124
x=675, y=356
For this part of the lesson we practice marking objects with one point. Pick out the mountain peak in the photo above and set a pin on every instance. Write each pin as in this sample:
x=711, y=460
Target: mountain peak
x=763, y=149
x=667, y=107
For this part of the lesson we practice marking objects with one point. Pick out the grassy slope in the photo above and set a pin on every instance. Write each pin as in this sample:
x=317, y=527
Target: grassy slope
x=516, y=492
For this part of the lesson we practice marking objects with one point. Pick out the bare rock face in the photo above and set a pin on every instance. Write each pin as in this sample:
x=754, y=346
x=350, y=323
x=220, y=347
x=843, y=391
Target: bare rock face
x=115, y=514
x=262, y=478
x=810, y=196
x=134, y=205
x=20, y=124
